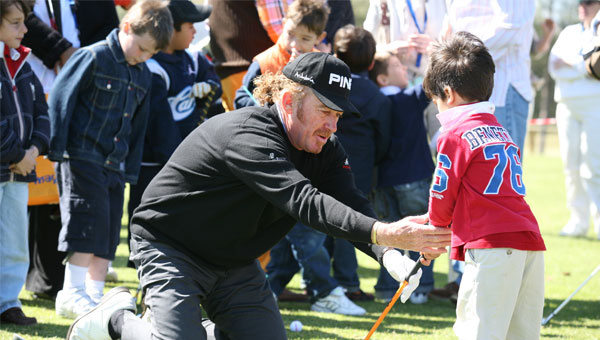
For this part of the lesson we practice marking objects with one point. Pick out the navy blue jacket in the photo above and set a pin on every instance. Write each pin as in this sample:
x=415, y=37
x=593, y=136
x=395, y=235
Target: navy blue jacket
x=99, y=108
x=365, y=139
x=23, y=116
x=242, y=97
x=174, y=112
x=409, y=158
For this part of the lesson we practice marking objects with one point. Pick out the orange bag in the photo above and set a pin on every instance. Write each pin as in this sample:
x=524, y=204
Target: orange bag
x=44, y=190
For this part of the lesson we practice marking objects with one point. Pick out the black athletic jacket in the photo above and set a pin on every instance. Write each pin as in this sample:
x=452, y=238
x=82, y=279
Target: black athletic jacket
x=235, y=186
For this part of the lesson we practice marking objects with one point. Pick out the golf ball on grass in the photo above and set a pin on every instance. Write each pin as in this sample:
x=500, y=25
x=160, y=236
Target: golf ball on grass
x=296, y=326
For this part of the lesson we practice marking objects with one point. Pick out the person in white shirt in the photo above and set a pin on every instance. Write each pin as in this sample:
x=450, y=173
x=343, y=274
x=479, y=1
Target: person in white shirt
x=506, y=28
x=577, y=118
x=407, y=27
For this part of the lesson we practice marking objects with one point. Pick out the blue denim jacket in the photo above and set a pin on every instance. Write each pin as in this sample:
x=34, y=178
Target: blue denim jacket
x=99, y=108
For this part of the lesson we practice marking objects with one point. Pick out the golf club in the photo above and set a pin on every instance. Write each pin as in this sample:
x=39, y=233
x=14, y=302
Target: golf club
x=413, y=271
x=547, y=319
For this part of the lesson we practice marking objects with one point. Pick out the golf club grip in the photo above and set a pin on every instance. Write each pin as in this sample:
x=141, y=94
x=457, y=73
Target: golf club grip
x=415, y=268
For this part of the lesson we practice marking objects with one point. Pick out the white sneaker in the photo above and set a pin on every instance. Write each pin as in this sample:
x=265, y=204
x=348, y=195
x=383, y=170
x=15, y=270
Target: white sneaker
x=574, y=230
x=418, y=298
x=93, y=325
x=73, y=302
x=337, y=302
x=111, y=275
x=96, y=297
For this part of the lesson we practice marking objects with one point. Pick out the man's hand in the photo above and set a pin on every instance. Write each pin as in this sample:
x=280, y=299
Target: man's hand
x=410, y=233
x=399, y=266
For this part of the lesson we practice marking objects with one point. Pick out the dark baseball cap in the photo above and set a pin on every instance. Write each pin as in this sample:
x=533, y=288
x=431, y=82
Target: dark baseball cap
x=328, y=77
x=187, y=11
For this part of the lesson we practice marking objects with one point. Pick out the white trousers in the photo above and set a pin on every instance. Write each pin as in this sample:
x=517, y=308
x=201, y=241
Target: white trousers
x=501, y=295
x=577, y=122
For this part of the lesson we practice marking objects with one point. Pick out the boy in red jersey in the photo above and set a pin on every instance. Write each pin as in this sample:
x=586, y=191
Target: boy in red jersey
x=478, y=190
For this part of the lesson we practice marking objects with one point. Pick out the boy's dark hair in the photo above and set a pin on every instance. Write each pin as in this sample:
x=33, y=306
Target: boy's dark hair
x=355, y=46
x=23, y=5
x=152, y=17
x=462, y=63
x=311, y=13
x=380, y=65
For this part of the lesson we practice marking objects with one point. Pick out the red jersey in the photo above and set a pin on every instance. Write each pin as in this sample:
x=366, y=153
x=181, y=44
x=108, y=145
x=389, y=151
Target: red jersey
x=478, y=184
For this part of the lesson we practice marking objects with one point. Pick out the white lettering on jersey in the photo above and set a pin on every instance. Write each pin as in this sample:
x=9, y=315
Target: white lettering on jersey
x=183, y=104
x=482, y=135
x=341, y=80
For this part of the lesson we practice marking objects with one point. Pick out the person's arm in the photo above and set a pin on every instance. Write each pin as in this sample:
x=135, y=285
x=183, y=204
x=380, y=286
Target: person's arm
x=499, y=25
x=382, y=126
x=452, y=161
x=139, y=122
x=543, y=44
x=40, y=136
x=243, y=96
x=260, y=159
x=74, y=77
x=340, y=14
x=11, y=149
x=45, y=42
x=565, y=62
x=95, y=20
x=373, y=18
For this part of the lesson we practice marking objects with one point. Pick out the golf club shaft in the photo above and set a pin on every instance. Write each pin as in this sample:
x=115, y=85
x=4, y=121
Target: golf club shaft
x=547, y=319
x=414, y=270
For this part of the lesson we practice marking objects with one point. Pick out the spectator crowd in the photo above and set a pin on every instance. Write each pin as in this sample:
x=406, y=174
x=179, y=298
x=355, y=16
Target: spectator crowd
x=291, y=138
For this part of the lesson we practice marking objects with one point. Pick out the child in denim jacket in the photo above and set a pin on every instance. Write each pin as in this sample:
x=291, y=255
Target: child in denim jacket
x=184, y=86
x=99, y=110
x=24, y=134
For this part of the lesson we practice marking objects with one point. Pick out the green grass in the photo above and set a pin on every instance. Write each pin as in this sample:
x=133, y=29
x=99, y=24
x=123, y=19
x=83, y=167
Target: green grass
x=568, y=263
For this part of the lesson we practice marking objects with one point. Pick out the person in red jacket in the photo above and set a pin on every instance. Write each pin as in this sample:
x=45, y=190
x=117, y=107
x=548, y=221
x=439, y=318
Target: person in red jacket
x=478, y=190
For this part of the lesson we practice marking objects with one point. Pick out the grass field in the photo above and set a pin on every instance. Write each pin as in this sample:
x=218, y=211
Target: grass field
x=568, y=263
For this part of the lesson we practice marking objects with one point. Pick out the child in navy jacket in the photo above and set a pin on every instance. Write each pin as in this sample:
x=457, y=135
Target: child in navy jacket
x=24, y=134
x=405, y=173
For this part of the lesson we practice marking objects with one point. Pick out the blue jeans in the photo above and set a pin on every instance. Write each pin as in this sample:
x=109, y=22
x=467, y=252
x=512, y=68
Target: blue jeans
x=302, y=248
x=392, y=204
x=459, y=268
x=513, y=116
x=344, y=263
x=14, y=252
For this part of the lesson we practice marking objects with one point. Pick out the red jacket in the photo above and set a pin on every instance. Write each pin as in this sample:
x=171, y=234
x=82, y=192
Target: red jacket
x=478, y=182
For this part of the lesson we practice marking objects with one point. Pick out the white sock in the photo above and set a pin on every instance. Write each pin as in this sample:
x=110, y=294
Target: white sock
x=74, y=276
x=94, y=289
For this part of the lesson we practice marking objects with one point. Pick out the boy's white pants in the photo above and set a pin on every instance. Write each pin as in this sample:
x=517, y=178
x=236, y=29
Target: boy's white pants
x=501, y=295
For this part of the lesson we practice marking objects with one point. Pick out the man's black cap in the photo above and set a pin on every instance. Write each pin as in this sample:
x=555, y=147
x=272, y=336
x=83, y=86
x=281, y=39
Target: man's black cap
x=187, y=11
x=328, y=77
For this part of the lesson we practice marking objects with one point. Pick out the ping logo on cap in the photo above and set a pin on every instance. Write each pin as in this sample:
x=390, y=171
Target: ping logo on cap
x=341, y=80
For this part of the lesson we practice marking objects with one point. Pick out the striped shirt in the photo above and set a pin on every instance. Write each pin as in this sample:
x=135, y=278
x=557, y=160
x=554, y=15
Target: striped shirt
x=506, y=28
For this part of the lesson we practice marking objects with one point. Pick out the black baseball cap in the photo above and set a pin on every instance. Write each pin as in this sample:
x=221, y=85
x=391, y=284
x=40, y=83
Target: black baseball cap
x=328, y=77
x=187, y=11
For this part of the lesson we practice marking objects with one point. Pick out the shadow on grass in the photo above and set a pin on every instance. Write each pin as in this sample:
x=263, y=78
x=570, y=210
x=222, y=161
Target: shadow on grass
x=576, y=314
